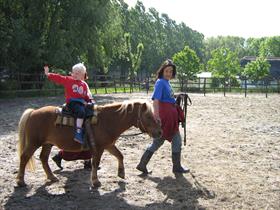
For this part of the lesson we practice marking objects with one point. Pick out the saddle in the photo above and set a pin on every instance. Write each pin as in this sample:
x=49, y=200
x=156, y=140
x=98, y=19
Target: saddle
x=65, y=116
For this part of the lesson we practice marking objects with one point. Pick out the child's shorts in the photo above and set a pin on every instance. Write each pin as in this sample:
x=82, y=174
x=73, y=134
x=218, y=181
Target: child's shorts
x=77, y=108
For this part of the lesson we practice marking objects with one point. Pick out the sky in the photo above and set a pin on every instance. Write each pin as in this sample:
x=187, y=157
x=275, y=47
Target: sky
x=244, y=18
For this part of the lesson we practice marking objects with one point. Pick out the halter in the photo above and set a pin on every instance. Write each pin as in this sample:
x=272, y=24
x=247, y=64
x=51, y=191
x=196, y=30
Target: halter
x=139, y=121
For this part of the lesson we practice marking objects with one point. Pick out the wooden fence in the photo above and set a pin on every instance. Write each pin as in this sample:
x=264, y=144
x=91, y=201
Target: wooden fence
x=22, y=84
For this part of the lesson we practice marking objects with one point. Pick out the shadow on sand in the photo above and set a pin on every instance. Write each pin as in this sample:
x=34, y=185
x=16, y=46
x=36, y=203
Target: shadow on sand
x=180, y=194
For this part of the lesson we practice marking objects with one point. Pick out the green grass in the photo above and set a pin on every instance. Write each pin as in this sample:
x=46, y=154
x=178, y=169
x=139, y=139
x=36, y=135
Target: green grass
x=111, y=90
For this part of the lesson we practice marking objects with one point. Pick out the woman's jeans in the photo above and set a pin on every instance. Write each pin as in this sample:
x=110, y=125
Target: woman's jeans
x=176, y=144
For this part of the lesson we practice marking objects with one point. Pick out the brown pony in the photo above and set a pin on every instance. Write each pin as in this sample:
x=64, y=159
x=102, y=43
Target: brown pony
x=37, y=128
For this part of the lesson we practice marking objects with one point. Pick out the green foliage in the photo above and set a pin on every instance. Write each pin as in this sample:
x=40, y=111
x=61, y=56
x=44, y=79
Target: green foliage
x=187, y=63
x=54, y=32
x=134, y=59
x=224, y=63
x=233, y=43
x=270, y=47
x=62, y=33
x=60, y=71
x=252, y=46
x=234, y=82
x=257, y=69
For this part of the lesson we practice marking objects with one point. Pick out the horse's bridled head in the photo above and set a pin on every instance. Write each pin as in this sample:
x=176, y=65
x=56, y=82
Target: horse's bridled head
x=148, y=123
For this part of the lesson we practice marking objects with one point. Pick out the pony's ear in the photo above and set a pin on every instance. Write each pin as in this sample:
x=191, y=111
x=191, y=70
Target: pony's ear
x=129, y=108
x=144, y=107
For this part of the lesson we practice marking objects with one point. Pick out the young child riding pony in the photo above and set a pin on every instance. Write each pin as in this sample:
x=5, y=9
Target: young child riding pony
x=77, y=94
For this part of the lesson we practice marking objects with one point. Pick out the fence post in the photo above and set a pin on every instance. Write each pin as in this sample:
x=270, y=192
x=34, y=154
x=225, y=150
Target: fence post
x=55, y=90
x=199, y=90
x=139, y=85
x=19, y=83
x=266, y=88
x=115, y=84
x=204, y=86
x=148, y=87
x=278, y=85
x=229, y=83
x=124, y=87
x=95, y=84
x=245, y=87
x=106, y=83
x=213, y=85
x=224, y=86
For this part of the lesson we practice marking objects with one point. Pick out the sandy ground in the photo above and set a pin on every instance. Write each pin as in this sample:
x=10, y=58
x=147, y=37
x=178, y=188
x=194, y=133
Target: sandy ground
x=233, y=151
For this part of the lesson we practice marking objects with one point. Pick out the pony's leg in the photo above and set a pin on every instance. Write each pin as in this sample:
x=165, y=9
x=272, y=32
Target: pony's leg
x=24, y=158
x=116, y=152
x=44, y=157
x=95, y=163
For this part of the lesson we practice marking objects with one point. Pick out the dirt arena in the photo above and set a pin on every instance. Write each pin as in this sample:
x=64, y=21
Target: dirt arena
x=233, y=151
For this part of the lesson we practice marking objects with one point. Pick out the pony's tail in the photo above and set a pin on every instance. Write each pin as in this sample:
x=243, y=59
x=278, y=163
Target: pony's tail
x=23, y=138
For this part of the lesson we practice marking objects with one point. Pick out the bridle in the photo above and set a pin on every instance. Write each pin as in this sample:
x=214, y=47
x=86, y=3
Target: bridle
x=138, y=125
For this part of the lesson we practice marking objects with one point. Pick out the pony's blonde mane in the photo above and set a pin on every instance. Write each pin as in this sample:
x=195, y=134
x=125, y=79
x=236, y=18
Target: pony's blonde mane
x=125, y=104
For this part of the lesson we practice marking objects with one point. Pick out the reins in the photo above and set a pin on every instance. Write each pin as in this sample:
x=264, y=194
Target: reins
x=139, y=123
x=130, y=135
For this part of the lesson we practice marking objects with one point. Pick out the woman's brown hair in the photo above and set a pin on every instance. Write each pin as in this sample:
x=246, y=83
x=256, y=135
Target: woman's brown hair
x=165, y=64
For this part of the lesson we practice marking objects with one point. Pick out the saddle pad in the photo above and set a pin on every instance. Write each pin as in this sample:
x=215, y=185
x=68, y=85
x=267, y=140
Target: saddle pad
x=67, y=120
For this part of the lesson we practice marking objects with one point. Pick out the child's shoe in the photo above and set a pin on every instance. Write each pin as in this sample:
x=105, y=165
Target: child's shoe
x=79, y=136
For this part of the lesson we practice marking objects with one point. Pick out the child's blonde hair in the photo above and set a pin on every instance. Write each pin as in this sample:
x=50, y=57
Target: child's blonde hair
x=81, y=68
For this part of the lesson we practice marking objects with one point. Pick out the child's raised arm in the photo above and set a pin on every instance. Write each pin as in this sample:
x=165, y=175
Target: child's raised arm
x=58, y=79
x=46, y=68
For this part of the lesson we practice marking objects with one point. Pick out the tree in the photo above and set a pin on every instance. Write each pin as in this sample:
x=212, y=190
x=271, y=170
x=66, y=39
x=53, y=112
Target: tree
x=270, y=47
x=57, y=32
x=109, y=43
x=134, y=59
x=224, y=63
x=187, y=64
x=62, y=33
x=252, y=46
x=161, y=36
x=257, y=69
x=233, y=43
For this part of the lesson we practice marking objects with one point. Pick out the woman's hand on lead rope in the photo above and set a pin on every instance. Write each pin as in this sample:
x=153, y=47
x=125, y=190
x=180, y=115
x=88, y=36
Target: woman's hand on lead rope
x=156, y=111
x=158, y=121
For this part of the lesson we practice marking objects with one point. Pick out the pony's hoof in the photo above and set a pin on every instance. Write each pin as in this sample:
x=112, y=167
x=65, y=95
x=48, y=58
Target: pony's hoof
x=21, y=183
x=96, y=184
x=53, y=179
x=121, y=173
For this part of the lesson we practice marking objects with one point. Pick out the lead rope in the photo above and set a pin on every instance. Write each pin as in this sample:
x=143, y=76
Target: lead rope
x=186, y=102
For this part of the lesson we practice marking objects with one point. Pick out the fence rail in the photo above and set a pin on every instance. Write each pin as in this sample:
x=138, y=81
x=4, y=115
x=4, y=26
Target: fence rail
x=36, y=84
